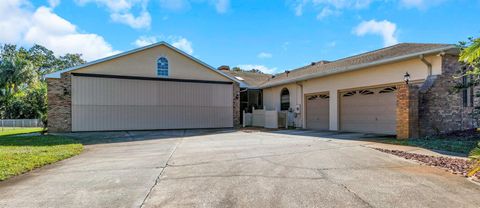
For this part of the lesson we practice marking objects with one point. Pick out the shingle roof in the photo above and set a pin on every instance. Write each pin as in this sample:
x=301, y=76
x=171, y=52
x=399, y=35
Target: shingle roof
x=250, y=79
x=322, y=68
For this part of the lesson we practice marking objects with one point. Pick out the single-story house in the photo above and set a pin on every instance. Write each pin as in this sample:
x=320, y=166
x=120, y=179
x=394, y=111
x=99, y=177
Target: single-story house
x=403, y=90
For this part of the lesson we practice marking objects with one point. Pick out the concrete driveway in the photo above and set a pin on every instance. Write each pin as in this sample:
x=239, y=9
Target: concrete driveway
x=235, y=169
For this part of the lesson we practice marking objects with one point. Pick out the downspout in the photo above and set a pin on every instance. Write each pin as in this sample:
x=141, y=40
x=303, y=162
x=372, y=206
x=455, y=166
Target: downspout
x=429, y=65
x=302, y=110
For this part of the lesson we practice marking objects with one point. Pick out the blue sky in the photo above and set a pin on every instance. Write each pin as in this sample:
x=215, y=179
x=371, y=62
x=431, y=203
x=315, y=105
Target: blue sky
x=271, y=35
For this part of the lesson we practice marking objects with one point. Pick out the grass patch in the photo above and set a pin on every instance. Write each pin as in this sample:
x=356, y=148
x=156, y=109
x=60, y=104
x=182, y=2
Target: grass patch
x=463, y=146
x=11, y=131
x=475, y=153
x=20, y=154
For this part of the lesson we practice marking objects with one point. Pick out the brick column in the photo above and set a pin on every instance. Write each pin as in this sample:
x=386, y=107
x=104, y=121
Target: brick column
x=236, y=105
x=59, y=109
x=407, y=111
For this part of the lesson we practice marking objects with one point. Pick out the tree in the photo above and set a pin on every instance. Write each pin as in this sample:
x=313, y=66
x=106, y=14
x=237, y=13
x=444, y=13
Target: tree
x=470, y=59
x=471, y=52
x=23, y=90
x=238, y=69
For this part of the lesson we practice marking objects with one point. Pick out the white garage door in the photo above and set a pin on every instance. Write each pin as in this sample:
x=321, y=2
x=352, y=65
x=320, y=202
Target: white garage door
x=317, y=112
x=104, y=104
x=369, y=111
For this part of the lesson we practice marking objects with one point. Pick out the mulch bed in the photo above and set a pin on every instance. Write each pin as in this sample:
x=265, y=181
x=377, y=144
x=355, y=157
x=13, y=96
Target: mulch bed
x=453, y=165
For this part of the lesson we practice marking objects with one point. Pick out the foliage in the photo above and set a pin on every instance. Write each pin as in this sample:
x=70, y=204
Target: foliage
x=471, y=51
x=463, y=146
x=24, y=153
x=470, y=57
x=23, y=90
x=238, y=69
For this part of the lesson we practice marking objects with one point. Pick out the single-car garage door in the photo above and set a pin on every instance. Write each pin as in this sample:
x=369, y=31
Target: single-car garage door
x=105, y=104
x=317, y=112
x=369, y=110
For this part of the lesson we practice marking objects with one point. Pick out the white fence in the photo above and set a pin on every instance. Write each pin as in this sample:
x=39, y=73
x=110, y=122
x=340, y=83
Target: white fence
x=271, y=119
x=20, y=123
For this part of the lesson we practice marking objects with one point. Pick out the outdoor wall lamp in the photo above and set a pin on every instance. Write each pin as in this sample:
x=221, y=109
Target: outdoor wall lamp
x=406, y=77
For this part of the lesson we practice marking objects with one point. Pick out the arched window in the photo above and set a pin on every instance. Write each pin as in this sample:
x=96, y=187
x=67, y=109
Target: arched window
x=162, y=67
x=284, y=99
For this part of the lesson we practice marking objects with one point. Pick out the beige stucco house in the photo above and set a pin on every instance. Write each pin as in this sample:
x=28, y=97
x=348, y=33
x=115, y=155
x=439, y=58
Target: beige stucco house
x=362, y=93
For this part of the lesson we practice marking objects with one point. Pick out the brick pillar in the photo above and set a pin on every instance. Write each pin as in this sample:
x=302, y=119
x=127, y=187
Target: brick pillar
x=59, y=110
x=236, y=105
x=407, y=111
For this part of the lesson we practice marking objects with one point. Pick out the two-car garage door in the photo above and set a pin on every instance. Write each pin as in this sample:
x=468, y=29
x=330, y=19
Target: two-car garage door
x=105, y=104
x=370, y=110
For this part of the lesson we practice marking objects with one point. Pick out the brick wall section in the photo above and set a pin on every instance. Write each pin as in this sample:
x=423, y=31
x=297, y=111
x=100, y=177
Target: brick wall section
x=407, y=111
x=440, y=109
x=59, y=109
x=236, y=105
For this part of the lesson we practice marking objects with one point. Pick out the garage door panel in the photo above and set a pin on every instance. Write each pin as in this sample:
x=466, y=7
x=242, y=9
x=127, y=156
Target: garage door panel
x=318, y=112
x=102, y=104
x=369, y=111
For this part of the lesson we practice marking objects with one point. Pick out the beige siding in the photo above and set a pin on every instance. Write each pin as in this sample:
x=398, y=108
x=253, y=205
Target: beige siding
x=100, y=104
x=368, y=77
x=144, y=64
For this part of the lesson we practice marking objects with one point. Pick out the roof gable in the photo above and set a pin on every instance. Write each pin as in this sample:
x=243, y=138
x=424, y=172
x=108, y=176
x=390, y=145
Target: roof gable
x=197, y=63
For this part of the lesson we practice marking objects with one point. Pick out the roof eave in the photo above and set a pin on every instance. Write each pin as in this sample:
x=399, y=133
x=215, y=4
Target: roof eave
x=355, y=67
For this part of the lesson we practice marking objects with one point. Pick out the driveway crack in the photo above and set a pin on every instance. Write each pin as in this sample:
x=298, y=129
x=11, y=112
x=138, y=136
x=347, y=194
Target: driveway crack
x=157, y=180
x=355, y=195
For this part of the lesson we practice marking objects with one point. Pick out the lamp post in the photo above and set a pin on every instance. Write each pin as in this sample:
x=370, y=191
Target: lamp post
x=406, y=77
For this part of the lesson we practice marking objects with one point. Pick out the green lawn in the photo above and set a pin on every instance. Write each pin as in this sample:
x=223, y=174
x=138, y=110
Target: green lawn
x=463, y=146
x=20, y=154
x=5, y=131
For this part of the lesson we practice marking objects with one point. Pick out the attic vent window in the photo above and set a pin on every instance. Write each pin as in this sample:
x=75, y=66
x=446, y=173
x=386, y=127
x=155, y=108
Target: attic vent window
x=239, y=78
x=324, y=96
x=388, y=90
x=351, y=93
x=312, y=97
x=366, y=92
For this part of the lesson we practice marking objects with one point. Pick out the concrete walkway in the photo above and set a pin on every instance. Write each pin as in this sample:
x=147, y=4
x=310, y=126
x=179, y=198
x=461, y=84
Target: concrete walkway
x=236, y=169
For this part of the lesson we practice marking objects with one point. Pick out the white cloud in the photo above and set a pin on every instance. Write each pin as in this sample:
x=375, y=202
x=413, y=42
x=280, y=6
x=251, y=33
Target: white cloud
x=53, y=3
x=299, y=5
x=264, y=55
x=262, y=68
x=183, y=44
x=14, y=20
x=420, y=4
x=141, y=21
x=177, y=41
x=327, y=12
x=383, y=28
x=327, y=8
x=145, y=40
x=25, y=25
x=221, y=6
x=121, y=11
x=332, y=44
